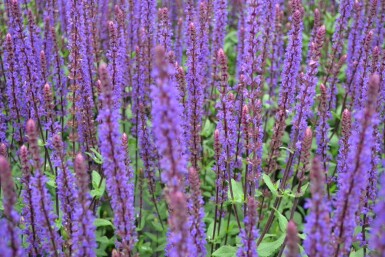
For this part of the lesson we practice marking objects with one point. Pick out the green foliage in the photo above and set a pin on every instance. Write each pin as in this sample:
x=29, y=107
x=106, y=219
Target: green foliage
x=98, y=185
x=225, y=251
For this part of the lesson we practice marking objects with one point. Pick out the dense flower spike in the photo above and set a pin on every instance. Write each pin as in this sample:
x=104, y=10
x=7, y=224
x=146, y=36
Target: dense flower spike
x=307, y=87
x=118, y=184
x=167, y=126
x=249, y=234
x=323, y=127
x=180, y=242
x=292, y=240
x=344, y=142
x=67, y=193
x=277, y=51
x=168, y=134
x=219, y=33
x=292, y=60
x=197, y=213
x=289, y=80
x=84, y=236
x=11, y=217
x=41, y=200
x=377, y=234
x=250, y=63
x=164, y=32
x=341, y=28
x=29, y=210
x=16, y=107
x=28, y=68
x=317, y=225
x=195, y=96
x=354, y=181
x=147, y=42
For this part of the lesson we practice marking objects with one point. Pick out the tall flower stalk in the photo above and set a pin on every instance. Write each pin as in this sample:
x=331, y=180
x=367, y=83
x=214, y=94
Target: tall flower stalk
x=118, y=184
x=355, y=179
x=51, y=242
x=11, y=218
x=168, y=133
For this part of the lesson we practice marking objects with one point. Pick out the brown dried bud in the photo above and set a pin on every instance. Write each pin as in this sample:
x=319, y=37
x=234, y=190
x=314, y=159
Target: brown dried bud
x=292, y=240
x=374, y=82
x=346, y=123
x=3, y=150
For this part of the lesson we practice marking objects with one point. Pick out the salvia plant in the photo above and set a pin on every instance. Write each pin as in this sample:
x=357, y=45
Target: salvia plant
x=186, y=128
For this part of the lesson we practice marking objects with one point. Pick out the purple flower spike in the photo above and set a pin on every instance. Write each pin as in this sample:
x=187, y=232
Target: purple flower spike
x=355, y=180
x=344, y=143
x=17, y=108
x=164, y=33
x=167, y=126
x=377, y=242
x=197, y=213
x=11, y=218
x=195, y=96
x=84, y=236
x=119, y=186
x=51, y=242
x=249, y=234
x=180, y=242
x=305, y=98
x=168, y=133
x=291, y=66
x=67, y=193
x=292, y=240
x=28, y=211
x=317, y=225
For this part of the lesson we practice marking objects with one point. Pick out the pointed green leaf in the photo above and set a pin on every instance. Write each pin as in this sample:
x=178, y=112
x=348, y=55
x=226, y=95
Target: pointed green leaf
x=282, y=221
x=269, y=184
x=267, y=249
x=225, y=251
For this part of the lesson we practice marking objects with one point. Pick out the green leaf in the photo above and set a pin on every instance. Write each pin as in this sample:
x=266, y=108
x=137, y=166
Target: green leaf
x=288, y=193
x=104, y=240
x=157, y=226
x=266, y=249
x=102, y=223
x=161, y=247
x=358, y=253
x=208, y=128
x=282, y=221
x=303, y=190
x=225, y=251
x=95, y=179
x=96, y=156
x=101, y=252
x=269, y=184
x=151, y=236
x=222, y=232
x=287, y=149
x=97, y=191
x=145, y=248
x=302, y=236
x=237, y=191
